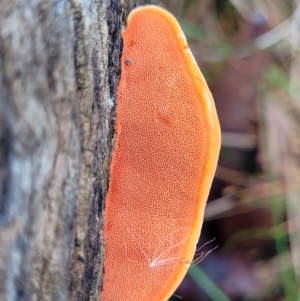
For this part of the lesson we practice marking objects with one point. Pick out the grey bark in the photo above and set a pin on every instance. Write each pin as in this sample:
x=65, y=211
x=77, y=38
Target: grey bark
x=40, y=149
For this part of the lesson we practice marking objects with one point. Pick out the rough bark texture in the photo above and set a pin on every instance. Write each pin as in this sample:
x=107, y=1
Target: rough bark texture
x=59, y=68
x=40, y=149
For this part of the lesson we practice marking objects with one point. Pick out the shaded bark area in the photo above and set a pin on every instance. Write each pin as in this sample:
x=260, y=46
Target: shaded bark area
x=97, y=51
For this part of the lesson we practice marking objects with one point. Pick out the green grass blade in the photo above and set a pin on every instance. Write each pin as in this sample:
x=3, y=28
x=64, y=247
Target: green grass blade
x=207, y=285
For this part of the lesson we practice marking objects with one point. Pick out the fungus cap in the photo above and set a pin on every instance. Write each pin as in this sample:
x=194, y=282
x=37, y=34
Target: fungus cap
x=163, y=162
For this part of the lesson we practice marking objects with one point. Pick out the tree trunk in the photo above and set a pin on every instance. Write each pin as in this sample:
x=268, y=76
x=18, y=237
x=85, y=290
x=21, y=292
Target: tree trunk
x=59, y=69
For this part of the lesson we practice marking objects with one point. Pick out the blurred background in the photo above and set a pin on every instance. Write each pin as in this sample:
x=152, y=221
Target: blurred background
x=249, y=53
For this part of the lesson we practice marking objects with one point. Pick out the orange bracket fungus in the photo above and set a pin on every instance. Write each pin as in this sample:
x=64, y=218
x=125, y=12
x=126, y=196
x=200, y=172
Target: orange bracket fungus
x=164, y=159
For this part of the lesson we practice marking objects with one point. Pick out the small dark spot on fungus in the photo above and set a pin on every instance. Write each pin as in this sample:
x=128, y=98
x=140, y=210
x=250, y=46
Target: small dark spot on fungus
x=128, y=62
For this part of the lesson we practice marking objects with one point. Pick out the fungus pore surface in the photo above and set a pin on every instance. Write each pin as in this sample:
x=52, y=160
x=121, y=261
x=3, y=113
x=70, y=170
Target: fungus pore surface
x=165, y=155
